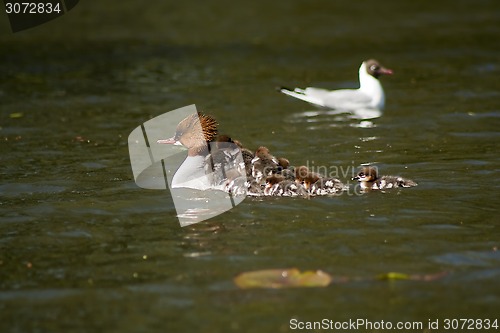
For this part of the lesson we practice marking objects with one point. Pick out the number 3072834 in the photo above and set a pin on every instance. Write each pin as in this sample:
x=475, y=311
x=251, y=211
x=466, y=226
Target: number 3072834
x=32, y=8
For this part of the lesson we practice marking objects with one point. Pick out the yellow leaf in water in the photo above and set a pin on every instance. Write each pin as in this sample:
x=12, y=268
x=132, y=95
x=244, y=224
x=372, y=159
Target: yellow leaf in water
x=282, y=278
x=393, y=276
x=16, y=115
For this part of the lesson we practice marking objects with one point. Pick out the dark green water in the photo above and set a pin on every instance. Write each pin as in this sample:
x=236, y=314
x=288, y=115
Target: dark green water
x=82, y=248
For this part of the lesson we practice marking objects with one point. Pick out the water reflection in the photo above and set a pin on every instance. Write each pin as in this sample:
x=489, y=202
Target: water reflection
x=317, y=119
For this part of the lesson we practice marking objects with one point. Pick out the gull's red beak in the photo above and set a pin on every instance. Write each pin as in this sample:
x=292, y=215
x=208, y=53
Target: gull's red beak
x=385, y=71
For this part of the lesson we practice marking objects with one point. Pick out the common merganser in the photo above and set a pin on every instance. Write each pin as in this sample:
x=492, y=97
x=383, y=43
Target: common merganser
x=209, y=164
x=225, y=159
x=284, y=163
x=326, y=186
x=316, y=184
x=217, y=163
x=278, y=185
x=193, y=132
x=264, y=164
x=370, y=180
x=242, y=182
x=369, y=95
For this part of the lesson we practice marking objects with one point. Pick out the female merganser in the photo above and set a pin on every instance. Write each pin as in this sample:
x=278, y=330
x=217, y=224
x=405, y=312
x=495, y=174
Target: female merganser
x=370, y=180
x=369, y=95
x=209, y=165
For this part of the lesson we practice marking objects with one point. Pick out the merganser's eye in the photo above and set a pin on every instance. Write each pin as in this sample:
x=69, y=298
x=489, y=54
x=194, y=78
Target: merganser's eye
x=374, y=68
x=361, y=174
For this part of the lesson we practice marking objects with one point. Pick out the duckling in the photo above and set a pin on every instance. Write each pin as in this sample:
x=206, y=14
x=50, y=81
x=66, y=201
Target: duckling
x=370, y=180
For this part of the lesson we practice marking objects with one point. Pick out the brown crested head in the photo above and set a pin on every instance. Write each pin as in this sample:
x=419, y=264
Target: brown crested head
x=375, y=69
x=194, y=131
x=208, y=126
x=189, y=129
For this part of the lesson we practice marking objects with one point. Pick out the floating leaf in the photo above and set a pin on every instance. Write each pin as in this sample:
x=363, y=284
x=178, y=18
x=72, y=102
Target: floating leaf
x=414, y=277
x=16, y=115
x=282, y=278
x=393, y=276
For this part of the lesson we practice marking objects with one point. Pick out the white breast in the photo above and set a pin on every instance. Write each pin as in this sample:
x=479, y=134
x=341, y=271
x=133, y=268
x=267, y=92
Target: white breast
x=371, y=87
x=192, y=173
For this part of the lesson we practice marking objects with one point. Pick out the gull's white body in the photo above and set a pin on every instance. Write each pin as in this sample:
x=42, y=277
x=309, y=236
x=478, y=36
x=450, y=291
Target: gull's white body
x=369, y=95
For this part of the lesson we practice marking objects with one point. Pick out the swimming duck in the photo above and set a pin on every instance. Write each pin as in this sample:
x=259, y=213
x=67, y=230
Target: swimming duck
x=317, y=184
x=264, y=164
x=215, y=162
x=278, y=185
x=370, y=180
x=209, y=164
x=194, y=132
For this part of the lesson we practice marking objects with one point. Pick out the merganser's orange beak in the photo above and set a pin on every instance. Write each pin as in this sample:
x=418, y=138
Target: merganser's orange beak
x=169, y=141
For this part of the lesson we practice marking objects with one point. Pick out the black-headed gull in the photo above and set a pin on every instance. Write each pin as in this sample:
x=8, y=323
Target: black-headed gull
x=369, y=95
